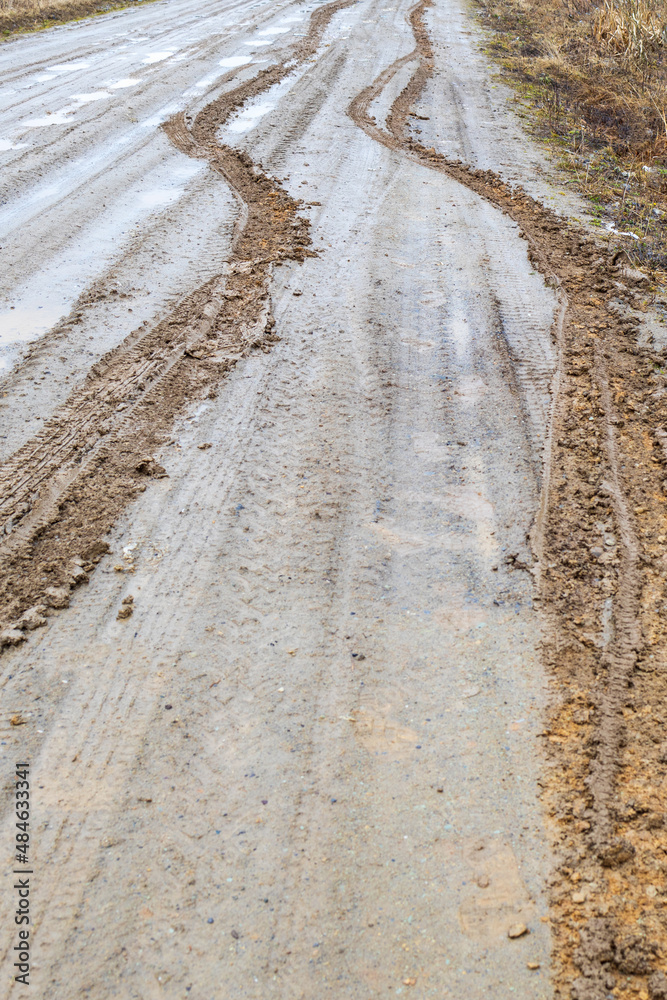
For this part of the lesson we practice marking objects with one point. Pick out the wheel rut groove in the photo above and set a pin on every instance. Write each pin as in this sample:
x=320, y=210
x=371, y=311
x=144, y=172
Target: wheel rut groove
x=601, y=480
x=63, y=490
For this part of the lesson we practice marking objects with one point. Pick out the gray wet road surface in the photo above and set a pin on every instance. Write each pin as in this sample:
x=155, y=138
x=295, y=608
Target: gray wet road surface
x=307, y=765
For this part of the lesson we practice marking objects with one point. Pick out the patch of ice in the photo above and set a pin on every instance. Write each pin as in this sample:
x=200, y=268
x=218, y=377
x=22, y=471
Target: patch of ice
x=258, y=41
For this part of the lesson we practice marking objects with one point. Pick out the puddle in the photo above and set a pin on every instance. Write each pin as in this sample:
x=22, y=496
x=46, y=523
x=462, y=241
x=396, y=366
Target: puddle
x=96, y=95
x=156, y=57
x=57, y=118
x=127, y=82
x=20, y=326
x=67, y=67
x=166, y=112
x=231, y=62
x=206, y=81
x=248, y=118
x=159, y=197
x=50, y=293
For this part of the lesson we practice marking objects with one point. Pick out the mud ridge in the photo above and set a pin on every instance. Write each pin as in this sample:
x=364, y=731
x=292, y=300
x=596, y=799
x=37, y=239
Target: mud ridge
x=61, y=493
x=602, y=509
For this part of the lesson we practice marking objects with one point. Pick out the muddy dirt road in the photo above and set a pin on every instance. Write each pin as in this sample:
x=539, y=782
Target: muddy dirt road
x=281, y=391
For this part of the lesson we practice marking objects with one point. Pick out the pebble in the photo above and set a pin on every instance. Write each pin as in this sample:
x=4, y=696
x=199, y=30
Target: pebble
x=517, y=930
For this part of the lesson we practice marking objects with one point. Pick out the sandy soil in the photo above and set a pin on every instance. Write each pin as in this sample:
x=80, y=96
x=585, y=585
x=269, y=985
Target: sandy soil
x=297, y=403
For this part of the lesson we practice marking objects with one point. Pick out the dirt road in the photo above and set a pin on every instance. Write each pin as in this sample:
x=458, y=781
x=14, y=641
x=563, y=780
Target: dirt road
x=281, y=391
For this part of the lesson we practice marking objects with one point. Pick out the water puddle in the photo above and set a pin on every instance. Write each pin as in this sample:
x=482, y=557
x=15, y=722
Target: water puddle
x=161, y=116
x=67, y=67
x=248, y=118
x=127, y=82
x=159, y=197
x=96, y=95
x=49, y=294
x=55, y=118
x=156, y=57
x=231, y=62
x=22, y=325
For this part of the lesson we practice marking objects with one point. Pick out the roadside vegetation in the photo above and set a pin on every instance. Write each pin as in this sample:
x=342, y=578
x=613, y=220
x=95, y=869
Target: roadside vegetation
x=592, y=79
x=33, y=15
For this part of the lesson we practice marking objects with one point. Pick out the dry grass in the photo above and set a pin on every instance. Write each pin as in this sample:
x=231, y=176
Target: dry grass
x=31, y=15
x=634, y=29
x=592, y=79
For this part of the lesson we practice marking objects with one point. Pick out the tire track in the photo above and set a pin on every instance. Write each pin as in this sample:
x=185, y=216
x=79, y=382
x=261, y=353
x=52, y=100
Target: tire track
x=592, y=758
x=62, y=491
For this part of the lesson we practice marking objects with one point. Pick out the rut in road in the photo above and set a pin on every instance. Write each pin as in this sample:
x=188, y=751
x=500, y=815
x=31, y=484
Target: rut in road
x=62, y=492
x=587, y=478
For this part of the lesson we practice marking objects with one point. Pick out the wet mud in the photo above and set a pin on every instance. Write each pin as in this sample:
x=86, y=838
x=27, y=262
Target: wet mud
x=599, y=549
x=599, y=537
x=63, y=491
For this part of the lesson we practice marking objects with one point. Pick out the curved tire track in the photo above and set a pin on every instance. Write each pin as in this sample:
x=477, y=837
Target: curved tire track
x=551, y=241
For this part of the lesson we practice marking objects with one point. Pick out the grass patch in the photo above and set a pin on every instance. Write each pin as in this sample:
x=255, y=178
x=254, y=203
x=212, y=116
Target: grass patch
x=591, y=81
x=22, y=16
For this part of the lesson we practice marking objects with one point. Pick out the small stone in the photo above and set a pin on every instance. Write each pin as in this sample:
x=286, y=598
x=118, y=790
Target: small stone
x=483, y=881
x=517, y=930
x=205, y=445
x=125, y=612
x=532, y=965
x=410, y=981
x=17, y=720
x=579, y=897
